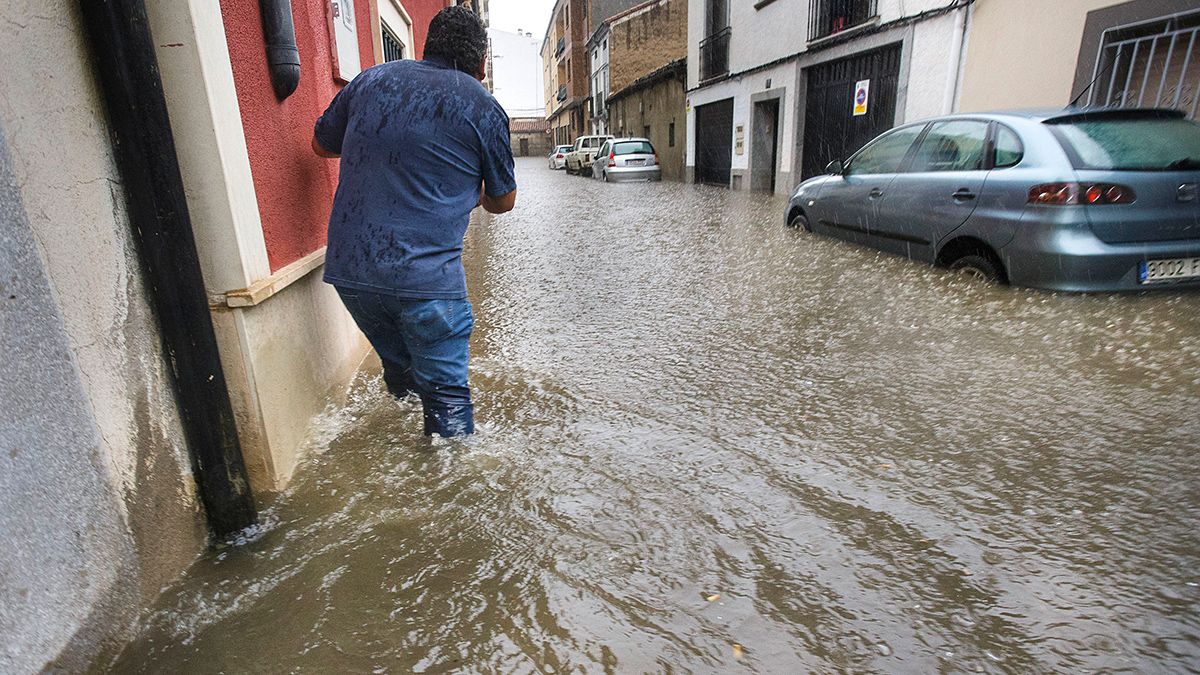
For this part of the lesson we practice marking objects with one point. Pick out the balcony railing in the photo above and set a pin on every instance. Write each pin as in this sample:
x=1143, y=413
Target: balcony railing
x=562, y=46
x=830, y=17
x=562, y=93
x=714, y=55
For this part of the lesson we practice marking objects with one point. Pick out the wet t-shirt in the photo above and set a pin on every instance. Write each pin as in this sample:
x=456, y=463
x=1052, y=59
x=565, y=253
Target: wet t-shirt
x=416, y=140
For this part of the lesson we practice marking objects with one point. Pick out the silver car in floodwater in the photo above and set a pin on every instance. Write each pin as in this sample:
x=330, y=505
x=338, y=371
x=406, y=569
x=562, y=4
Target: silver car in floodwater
x=1070, y=200
x=627, y=159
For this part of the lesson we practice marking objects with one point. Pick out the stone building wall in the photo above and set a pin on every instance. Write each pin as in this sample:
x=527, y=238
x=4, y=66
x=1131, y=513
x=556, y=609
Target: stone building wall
x=645, y=40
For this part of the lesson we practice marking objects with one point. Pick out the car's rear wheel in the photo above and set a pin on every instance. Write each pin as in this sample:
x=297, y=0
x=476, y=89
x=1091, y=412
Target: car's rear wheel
x=799, y=221
x=976, y=266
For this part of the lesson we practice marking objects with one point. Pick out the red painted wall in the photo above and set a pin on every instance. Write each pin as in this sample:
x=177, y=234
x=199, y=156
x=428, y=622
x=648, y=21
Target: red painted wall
x=422, y=12
x=294, y=187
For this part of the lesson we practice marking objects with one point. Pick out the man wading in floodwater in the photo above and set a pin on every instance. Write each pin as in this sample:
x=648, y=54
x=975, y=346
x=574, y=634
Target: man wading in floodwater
x=422, y=143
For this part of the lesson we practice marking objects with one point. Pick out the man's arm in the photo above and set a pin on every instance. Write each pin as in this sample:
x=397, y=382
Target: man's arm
x=501, y=204
x=322, y=152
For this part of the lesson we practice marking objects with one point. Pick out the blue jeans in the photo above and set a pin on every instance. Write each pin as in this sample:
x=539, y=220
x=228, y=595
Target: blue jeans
x=423, y=346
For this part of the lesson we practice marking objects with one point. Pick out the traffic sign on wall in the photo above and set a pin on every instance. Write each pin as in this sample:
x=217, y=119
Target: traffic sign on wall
x=862, y=95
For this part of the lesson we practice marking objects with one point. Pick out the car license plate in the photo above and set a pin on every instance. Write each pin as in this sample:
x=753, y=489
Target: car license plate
x=1155, y=271
x=636, y=162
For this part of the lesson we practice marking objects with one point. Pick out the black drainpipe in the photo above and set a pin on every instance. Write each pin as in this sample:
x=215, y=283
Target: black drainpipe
x=283, y=58
x=125, y=63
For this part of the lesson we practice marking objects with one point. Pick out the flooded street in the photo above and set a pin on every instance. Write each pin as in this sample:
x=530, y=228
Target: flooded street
x=709, y=443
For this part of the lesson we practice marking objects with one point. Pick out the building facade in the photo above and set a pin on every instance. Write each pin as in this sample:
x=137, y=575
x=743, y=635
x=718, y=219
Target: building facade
x=565, y=69
x=1092, y=52
x=598, y=51
x=517, y=73
x=529, y=136
x=100, y=479
x=648, y=78
x=771, y=85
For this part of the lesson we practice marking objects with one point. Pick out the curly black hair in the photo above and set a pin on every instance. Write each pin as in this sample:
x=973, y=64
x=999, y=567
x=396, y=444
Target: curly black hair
x=458, y=36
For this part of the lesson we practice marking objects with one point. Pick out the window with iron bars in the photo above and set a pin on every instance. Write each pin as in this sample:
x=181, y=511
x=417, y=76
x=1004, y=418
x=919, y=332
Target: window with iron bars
x=830, y=17
x=1152, y=64
x=714, y=55
x=393, y=48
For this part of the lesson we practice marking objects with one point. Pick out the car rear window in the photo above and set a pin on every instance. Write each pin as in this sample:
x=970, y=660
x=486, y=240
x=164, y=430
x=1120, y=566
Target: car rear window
x=633, y=148
x=1131, y=144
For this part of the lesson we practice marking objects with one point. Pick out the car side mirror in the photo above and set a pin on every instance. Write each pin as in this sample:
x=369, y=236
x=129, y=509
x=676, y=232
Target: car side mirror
x=835, y=168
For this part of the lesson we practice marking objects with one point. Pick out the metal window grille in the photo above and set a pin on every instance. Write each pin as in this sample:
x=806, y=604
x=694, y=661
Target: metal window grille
x=714, y=55
x=830, y=17
x=1153, y=64
x=393, y=48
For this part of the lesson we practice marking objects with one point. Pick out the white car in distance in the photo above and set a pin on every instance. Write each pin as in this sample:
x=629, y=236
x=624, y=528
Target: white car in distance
x=558, y=157
x=579, y=160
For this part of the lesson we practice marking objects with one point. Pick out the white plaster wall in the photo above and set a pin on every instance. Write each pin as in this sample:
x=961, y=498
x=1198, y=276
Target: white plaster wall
x=761, y=36
x=397, y=19
x=934, y=67
x=890, y=10
x=695, y=23
x=741, y=89
x=298, y=351
x=76, y=580
x=517, y=73
x=193, y=59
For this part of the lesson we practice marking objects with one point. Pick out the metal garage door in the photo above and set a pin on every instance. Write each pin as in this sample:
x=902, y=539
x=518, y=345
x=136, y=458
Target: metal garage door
x=831, y=131
x=714, y=142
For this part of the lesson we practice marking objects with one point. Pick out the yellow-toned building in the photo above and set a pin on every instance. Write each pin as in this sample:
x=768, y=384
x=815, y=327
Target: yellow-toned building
x=1048, y=53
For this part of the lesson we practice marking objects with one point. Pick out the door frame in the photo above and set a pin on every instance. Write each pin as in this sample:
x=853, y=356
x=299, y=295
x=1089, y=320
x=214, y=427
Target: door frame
x=779, y=94
x=727, y=144
x=902, y=36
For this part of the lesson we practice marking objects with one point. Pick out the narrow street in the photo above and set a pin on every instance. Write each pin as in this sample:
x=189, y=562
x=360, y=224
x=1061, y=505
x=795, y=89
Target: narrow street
x=710, y=443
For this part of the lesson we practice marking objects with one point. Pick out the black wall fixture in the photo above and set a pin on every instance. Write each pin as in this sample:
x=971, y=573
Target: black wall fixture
x=283, y=57
x=123, y=54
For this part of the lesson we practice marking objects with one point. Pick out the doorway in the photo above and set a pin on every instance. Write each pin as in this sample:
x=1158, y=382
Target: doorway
x=831, y=129
x=764, y=145
x=714, y=142
x=524, y=147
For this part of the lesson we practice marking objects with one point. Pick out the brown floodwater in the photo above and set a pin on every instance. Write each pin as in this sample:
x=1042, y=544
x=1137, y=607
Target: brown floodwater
x=709, y=443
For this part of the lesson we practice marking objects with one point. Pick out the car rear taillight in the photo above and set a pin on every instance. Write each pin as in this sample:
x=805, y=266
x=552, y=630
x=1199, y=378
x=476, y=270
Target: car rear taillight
x=656, y=159
x=1068, y=194
x=612, y=159
x=559, y=156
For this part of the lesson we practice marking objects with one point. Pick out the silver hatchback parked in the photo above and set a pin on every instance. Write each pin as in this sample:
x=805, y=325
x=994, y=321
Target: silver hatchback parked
x=1064, y=200
x=627, y=159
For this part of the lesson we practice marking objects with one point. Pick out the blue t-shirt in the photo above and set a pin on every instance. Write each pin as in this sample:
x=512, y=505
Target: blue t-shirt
x=416, y=140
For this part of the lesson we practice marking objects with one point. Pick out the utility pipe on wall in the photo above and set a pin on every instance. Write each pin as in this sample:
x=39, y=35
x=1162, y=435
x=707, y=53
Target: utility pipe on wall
x=283, y=57
x=123, y=52
x=962, y=23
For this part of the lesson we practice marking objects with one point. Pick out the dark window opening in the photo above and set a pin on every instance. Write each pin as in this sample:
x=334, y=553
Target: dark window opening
x=393, y=48
x=671, y=135
x=830, y=17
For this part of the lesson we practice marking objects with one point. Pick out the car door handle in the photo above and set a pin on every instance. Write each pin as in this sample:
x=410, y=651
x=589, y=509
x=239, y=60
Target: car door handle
x=963, y=195
x=875, y=193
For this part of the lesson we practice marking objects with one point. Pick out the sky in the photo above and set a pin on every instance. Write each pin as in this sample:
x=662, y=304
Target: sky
x=517, y=76
x=531, y=16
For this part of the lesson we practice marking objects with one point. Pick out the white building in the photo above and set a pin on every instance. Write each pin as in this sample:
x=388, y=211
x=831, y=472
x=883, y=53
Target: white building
x=517, y=73
x=598, y=58
x=772, y=83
